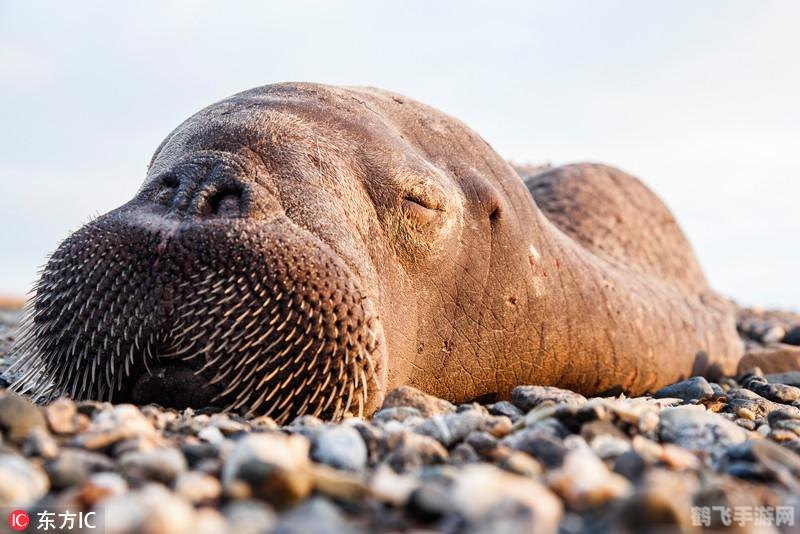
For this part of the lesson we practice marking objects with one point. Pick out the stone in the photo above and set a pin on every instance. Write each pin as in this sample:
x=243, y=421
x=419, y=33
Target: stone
x=198, y=488
x=317, y=515
x=410, y=450
x=21, y=482
x=392, y=488
x=789, y=378
x=18, y=417
x=429, y=502
x=273, y=467
x=40, y=443
x=107, y=427
x=161, y=464
x=339, y=484
x=773, y=334
x=774, y=392
x=428, y=405
x=583, y=480
x=479, y=489
x=73, y=467
x=739, y=398
x=249, y=517
x=505, y=408
x=397, y=413
x=340, y=446
x=528, y=397
x=695, y=429
x=662, y=502
x=543, y=445
x=151, y=509
x=101, y=486
x=63, y=417
x=694, y=389
x=792, y=337
x=449, y=429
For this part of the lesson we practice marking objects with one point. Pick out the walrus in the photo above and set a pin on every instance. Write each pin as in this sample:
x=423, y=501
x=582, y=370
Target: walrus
x=302, y=249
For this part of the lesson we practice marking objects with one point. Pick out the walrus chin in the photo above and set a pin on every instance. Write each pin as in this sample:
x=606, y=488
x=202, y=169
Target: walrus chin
x=260, y=317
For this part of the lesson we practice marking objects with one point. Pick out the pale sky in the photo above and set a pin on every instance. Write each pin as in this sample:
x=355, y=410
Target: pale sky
x=698, y=99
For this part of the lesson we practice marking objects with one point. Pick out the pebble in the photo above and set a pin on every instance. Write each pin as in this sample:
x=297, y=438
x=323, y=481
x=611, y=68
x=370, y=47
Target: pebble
x=427, y=405
x=273, y=467
x=583, y=480
x=451, y=428
x=410, y=450
x=390, y=487
x=101, y=486
x=478, y=490
x=792, y=337
x=397, y=413
x=161, y=464
x=249, y=517
x=18, y=418
x=21, y=482
x=773, y=334
x=107, y=427
x=507, y=409
x=774, y=392
x=152, y=509
x=340, y=446
x=696, y=388
x=789, y=378
x=74, y=466
x=63, y=417
x=554, y=461
x=739, y=398
x=198, y=488
x=317, y=515
x=527, y=398
x=548, y=448
x=695, y=429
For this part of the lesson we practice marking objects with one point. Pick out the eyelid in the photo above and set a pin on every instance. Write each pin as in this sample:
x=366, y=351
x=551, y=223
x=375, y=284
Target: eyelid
x=427, y=196
x=422, y=201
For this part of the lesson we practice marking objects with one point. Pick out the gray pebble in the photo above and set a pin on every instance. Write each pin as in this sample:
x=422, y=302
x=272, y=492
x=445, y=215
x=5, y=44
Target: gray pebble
x=397, y=413
x=693, y=389
x=696, y=429
x=528, y=397
x=451, y=428
x=161, y=464
x=792, y=337
x=340, y=446
x=74, y=466
x=249, y=517
x=505, y=408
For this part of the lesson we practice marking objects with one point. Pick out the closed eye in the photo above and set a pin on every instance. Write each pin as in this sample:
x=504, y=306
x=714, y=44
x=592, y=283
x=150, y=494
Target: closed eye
x=412, y=201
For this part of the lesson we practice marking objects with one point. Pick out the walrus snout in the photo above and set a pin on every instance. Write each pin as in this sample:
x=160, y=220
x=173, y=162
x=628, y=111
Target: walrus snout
x=258, y=317
x=211, y=184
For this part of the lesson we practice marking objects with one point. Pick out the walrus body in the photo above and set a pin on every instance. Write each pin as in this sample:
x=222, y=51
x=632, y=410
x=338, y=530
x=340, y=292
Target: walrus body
x=300, y=248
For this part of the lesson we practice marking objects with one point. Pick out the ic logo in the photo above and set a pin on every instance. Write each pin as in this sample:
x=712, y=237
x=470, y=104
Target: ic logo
x=18, y=520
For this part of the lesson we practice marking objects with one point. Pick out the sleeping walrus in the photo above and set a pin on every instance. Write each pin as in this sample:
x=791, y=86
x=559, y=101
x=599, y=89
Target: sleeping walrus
x=301, y=248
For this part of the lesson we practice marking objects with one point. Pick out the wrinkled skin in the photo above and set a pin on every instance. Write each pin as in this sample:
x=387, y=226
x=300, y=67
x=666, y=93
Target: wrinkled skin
x=300, y=248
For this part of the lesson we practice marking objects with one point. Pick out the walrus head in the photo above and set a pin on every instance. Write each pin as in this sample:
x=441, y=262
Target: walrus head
x=273, y=239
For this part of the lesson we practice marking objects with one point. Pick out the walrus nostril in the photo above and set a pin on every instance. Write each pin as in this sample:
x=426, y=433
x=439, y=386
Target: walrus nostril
x=227, y=201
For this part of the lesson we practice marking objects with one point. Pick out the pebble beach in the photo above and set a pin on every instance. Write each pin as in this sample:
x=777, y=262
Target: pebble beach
x=696, y=456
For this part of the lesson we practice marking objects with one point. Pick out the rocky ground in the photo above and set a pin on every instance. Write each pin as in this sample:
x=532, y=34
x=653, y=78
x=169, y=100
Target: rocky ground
x=694, y=456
